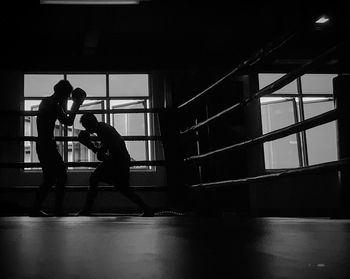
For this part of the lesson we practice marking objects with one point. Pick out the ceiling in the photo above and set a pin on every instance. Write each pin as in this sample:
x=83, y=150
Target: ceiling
x=163, y=34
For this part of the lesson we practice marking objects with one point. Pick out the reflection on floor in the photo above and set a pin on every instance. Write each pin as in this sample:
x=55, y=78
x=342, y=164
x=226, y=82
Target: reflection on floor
x=173, y=247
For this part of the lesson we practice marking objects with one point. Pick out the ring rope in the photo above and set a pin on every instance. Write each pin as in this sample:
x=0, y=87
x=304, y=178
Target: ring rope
x=80, y=164
x=278, y=84
x=255, y=58
x=74, y=138
x=324, y=167
x=283, y=132
x=76, y=188
x=94, y=111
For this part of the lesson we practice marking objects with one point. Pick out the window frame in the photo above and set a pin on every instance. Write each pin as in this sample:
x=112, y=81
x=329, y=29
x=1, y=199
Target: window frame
x=299, y=116
x=149, y=127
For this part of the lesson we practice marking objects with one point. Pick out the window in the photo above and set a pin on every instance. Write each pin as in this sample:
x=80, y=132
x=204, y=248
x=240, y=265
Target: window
x=104, y=91
x=306, y=97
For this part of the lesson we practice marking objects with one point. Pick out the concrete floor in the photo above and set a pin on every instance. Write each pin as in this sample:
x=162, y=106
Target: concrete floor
x=173, y=247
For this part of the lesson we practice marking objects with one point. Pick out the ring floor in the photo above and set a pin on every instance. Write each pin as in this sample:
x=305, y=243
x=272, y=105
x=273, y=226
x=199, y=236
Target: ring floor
x=173, y=247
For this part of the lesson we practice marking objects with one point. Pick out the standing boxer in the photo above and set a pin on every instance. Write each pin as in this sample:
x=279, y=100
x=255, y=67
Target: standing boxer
x=53, y=108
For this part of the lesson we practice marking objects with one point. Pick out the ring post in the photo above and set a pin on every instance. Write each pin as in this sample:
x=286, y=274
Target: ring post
x=341, y=87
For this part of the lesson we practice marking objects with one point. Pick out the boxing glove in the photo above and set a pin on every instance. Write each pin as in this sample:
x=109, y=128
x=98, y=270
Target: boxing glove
x=101, y=156
x=84, y=138
x=78, y=96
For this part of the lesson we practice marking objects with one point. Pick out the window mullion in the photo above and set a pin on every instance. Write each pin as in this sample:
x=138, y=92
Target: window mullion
x=302, y=118
x=107, y=99
x=65, y=134
x=298, y=136
x=146, y=130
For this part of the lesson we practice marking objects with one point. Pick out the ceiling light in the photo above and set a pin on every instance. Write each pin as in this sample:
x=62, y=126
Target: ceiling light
x=90, y=2
x=322, y=19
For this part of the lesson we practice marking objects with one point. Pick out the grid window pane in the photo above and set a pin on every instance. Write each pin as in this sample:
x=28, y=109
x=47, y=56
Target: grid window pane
x=317, y=83
x=321, y=140
x=277, y=115
x=30, y=155
x=128, y=85
x=94, y=85
x=131, y=124
x=281, y=153
x=76, y=151
x=80, y=153
x=40, y=85
x=267, y=79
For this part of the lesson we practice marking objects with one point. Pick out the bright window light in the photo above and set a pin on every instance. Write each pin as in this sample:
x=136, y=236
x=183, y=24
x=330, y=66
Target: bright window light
x=322, y=19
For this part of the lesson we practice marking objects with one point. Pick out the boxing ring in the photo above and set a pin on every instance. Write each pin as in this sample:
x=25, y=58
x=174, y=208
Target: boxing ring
x=197, y=123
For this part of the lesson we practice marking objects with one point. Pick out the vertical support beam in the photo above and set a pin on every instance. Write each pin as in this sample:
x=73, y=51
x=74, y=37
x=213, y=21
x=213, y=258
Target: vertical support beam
x=253, y=125
x=198, y=152
x=341, y=87
x=253, y=128
x=168, y=125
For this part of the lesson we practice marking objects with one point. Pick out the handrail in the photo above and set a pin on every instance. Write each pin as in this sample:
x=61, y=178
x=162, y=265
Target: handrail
x=281, y=82
x=324, y=167
x=280, y=133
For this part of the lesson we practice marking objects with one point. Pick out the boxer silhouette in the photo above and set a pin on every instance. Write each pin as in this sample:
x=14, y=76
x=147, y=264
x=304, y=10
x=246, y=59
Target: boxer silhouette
x=115, y=166
x=53, y=108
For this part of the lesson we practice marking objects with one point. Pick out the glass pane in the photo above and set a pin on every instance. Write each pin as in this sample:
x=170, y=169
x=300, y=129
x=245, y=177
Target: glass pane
x=132, y=124
x=321, y=140
x=30, y=155
x=281, y=153
x=30, y=129
x=94, y=85
x=129, y=124
x=317, y=83
x=276, y=115
x=128, y=85
x=89, y=105
x=267, y=79
x=76, y=151
x=80, y=153
x=30, y=121
x=40, y=85
x=30, y=105
x=317, y=106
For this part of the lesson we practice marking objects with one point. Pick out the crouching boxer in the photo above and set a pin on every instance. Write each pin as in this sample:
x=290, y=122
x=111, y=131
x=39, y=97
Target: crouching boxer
x=115, y=166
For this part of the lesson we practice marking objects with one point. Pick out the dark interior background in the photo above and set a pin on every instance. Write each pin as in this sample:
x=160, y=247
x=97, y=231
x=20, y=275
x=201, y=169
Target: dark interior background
x=162, y=34
x=190, y=44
